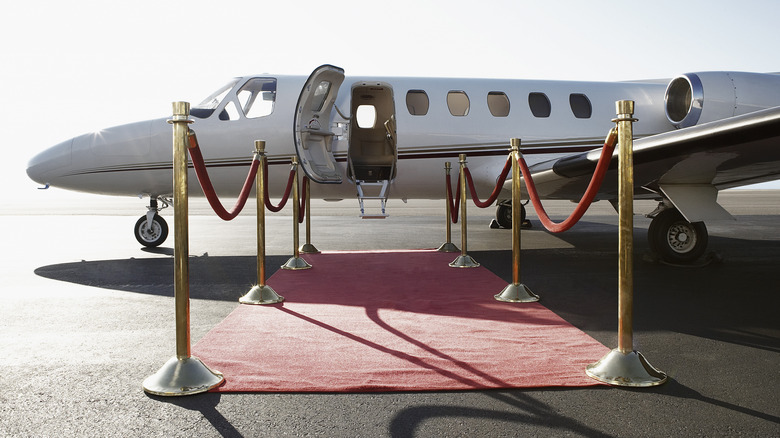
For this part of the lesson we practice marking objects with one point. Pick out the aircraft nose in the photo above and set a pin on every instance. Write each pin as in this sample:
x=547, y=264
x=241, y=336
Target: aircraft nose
x=45, y=167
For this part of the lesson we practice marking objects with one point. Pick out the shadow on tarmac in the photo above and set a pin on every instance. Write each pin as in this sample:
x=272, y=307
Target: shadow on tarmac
x=733, y=301
x=525, y=410
x=206, y=404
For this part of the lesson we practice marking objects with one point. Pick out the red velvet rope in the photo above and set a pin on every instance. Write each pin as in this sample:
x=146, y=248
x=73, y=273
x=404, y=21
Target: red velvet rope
x=587, y=198
x=208, y=188
x=302, y=201
x=481, y=204
x=454, y=205
x=499, y=185
x=285, y=197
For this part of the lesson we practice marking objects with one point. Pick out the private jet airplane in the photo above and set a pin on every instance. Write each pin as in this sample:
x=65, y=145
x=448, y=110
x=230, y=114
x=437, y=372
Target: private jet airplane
x=388, y=137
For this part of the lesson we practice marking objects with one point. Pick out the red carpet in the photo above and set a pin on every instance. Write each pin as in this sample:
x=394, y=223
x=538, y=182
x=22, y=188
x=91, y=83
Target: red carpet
x=394, y=321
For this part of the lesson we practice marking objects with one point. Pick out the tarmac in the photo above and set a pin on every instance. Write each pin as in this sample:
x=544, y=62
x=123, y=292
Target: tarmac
x=87, y=315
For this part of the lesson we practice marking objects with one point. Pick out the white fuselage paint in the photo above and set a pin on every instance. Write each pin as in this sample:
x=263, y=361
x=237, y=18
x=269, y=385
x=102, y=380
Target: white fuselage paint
x=135, y=159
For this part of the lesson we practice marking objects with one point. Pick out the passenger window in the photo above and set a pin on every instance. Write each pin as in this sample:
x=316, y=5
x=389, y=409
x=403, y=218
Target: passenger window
x=257, y=97
x=366, y=116
x=458, y=103
x=417, y=102
x=539, y=104
x=580, y=106
x=498, y=103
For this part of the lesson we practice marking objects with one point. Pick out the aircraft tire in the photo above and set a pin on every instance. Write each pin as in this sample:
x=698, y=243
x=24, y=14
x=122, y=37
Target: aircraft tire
x=154, y=237
x=504, y=214
x=675, y=240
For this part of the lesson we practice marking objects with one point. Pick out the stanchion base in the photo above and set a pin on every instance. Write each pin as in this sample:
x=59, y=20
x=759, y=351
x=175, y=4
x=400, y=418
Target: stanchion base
x=296, y=263
x=464, y=261
x=185, y=376
x=448, y=247
x=625, y=369
x=517, y=293
x=261, y=295
x=308, y=248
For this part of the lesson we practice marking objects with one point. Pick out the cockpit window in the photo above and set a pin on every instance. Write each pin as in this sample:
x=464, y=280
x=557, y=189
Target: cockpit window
x=257, y=97
x=254, y=99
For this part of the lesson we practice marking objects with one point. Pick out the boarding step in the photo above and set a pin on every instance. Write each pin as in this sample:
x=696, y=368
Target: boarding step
x=379, y=187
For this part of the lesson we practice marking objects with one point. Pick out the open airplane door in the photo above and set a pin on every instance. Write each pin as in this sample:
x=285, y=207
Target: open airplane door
x=313, y=138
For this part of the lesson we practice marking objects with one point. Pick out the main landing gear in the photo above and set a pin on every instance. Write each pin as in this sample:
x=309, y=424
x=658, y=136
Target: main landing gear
x=504, y=214
x=151, y=230
x=672, y=238
x=675, y=240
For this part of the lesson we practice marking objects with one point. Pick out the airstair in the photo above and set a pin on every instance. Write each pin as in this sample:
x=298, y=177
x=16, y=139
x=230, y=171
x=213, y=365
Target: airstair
x=381, y=196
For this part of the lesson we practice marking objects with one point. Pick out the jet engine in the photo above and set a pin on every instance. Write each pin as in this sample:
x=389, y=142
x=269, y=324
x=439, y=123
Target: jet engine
x=695, y=98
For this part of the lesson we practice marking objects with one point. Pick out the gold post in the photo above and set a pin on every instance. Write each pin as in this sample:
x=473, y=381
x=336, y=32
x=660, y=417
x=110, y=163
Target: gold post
x=463, y=260
x=623, y=366
x=182, y=374
x=516, y=292
x=181, y=228
x=296, y=262
x=448, y=246
x=262, y=293
x=625, y=111
x=308, y=247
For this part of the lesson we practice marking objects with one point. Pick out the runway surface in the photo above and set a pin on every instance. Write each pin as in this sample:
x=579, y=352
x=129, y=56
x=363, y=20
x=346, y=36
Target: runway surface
x=87, y=315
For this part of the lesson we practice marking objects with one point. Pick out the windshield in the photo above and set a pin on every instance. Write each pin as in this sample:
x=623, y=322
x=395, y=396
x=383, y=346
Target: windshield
x=212, y=102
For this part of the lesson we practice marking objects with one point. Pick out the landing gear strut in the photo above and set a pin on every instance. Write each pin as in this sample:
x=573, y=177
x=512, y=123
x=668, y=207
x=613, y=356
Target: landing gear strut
x=151, y=230
x=674, y=239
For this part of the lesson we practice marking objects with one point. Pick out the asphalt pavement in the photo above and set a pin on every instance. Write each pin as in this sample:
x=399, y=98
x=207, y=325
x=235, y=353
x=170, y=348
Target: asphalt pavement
x=87, y=315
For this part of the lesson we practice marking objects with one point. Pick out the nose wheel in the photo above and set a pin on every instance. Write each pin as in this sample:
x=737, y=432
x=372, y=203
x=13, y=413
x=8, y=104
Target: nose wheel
x=151, y=234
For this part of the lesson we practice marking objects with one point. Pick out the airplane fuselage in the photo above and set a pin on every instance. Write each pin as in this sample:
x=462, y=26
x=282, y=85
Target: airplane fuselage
x=135, y=159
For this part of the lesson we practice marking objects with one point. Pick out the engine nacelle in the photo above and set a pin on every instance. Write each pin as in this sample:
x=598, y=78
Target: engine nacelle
x=695, y=98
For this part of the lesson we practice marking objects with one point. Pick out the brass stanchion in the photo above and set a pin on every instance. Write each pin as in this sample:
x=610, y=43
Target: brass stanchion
x=308, y=247
x=261, y=293
x=448, y=246
x=516, y=292
x=183, y=374
x=463, y=260
x=296, y=262
x=624, y=366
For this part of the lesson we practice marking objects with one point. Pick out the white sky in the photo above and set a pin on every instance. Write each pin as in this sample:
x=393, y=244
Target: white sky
x=70, y=67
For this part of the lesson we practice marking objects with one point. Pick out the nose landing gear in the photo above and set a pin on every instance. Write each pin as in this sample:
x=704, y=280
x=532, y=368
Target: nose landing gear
x=151, y=230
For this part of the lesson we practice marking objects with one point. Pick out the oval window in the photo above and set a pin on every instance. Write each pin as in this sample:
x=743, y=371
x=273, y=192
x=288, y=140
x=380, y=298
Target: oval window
x=580, y=106
x=539, y=104
x=417, y=102
x=458, y=103
x=498, y=103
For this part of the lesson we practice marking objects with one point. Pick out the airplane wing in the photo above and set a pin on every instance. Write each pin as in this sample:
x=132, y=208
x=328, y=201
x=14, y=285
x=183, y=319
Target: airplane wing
x=687, y=166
